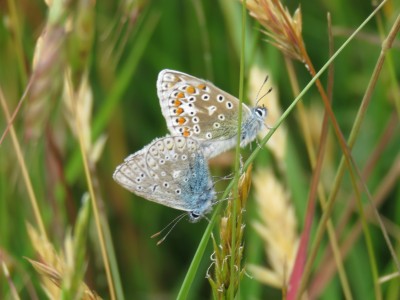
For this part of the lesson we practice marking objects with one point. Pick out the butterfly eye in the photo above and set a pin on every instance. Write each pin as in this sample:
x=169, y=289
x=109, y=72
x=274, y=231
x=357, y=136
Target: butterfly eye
x=216, y=125
x=178, y=191
x=166, y=184
x=194, y=217
x=260, y=111
x=209, y=135
x=184, y=157
x=229, y=105
x=221, y=117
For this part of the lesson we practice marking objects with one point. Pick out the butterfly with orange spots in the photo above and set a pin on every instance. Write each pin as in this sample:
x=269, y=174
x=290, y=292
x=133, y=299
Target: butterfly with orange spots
x=196, y=108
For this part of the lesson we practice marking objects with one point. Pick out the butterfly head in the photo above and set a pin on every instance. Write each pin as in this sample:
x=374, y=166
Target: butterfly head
x=260, y=112
x=205, y=203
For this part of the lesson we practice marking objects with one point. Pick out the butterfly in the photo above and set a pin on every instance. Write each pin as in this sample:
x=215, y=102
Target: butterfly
x=196, y=108
x=171, y=171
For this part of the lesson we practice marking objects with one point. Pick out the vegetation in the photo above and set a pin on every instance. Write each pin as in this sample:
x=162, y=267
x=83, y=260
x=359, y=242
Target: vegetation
x=78, y=95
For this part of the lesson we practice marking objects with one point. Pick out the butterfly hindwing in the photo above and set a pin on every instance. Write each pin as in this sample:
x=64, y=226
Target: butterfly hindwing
x=171, y=171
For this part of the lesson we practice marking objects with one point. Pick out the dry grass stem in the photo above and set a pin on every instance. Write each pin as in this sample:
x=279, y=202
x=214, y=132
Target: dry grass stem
x=315, y=115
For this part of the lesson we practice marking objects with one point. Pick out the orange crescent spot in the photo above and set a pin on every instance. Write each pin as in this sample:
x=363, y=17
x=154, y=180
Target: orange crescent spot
x=201, y=86
x=181, y=121
x=177, y=102
x=186, y=133
x=179, y=110
x=190, y=89
x=180, y=95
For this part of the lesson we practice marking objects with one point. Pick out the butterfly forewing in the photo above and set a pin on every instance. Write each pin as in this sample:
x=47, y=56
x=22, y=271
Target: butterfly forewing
x=196, y=108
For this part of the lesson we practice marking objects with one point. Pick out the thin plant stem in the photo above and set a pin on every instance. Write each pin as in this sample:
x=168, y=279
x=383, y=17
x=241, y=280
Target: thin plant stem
x=304, y=125
x=205, y=38
x=13, y=290
x=351, y=141
x=192, y=271
x=389, y=65
x=327, y=271
x=24, y=170
x=203, y=243
x=96, y=214
x=17, y=34
x=124, y=79
x=331, y=230
x=237, y=156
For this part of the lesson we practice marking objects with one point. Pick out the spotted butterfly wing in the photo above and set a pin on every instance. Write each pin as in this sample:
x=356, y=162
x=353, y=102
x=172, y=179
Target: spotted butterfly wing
x=171, y=171
x=196, y=108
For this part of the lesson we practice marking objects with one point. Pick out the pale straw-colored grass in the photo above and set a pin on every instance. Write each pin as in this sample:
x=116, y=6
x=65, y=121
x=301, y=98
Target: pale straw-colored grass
x=277, y=226
x=57, y=269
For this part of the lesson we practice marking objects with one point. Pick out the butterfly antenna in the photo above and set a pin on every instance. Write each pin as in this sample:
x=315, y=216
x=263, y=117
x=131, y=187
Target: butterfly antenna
x=171, y=225
x=259, y=91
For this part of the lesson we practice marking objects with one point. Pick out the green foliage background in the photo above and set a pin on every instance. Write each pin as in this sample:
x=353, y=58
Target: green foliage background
x=132, y=42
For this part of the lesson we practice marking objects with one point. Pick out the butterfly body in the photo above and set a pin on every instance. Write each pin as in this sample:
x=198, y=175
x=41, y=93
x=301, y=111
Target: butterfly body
x=195, y=108
x=171, y=171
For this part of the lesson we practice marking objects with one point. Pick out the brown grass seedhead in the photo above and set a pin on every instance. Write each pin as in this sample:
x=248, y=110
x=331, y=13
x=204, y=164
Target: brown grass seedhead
x=283, y=30
x=221, y=258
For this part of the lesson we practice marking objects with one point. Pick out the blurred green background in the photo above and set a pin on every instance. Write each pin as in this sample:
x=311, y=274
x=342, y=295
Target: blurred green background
x=125, y=45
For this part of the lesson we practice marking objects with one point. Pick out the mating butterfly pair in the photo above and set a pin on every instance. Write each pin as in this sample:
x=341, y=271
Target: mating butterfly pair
x=202, y=120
